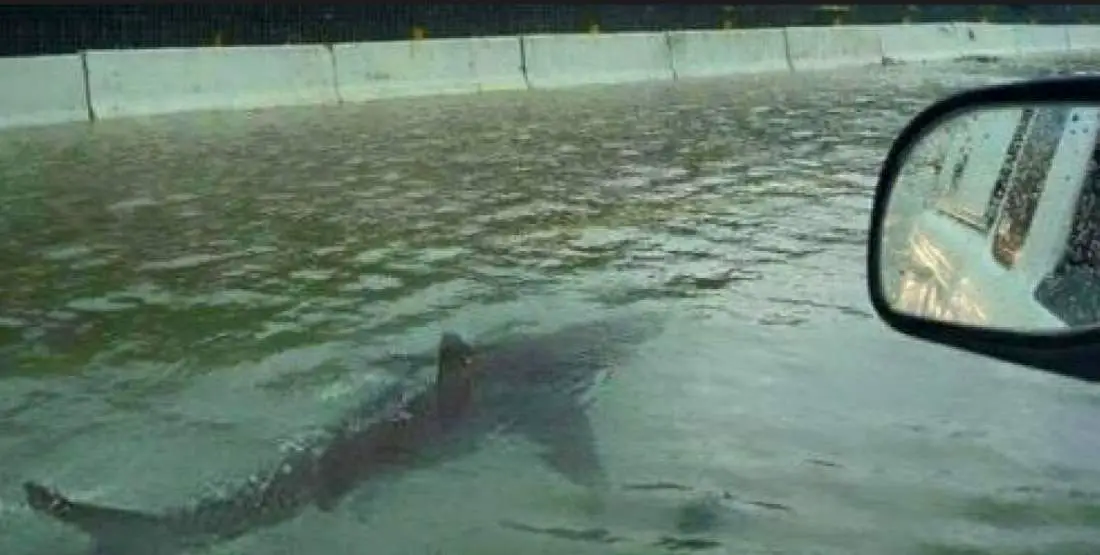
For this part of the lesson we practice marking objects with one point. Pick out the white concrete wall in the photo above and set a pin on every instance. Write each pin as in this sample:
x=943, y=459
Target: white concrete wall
x=570, y=60
x=139, y=82
x=1041, y=39
x=372, y=70
x=120, y=83
x=984, y=39
x=817, y=48
x=498, y=64
x=927, y=42
x=720, y=53
x=1083, y=37
x=936, y=42
x=42, y=90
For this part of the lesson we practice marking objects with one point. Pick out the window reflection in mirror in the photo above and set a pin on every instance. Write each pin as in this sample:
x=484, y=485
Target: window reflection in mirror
x=1029, y=168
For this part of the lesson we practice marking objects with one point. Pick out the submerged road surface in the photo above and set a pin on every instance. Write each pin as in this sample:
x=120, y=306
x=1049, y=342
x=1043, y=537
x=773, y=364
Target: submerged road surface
x=181, y=297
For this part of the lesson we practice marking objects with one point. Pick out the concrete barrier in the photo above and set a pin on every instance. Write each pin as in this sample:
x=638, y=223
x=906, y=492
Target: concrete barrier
x=371, y=70
x=571, y=60
x=1083, y=37
x=937, y=42
x=498, y=64
x=817, y=48
x=42, y=90
x=106, y=84
x=142, y=82
x=928, y=42
x=1041, y=39
x=720, y=53
x=984, y=39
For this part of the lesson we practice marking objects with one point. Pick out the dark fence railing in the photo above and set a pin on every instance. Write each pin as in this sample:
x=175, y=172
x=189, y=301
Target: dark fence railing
x=44, y=29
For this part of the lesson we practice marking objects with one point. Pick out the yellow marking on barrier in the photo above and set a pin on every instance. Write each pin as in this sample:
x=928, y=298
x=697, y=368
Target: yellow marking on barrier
x=729, y=17
x=419, y=33
x=594, y=29
x=218, y=38
x=986, y=12
x=837, y=11
x=912, y=10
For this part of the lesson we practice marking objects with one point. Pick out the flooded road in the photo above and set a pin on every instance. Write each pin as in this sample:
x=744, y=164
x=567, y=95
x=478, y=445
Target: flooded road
x=182, y=296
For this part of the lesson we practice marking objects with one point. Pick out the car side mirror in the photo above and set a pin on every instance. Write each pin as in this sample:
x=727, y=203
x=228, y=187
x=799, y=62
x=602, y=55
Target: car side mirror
x=985, y=231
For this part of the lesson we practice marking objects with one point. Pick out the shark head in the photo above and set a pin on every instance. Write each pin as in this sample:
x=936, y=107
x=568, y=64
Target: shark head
x=455, y=376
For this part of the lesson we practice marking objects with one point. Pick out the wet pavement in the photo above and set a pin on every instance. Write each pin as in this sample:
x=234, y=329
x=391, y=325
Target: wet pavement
x=183, y=295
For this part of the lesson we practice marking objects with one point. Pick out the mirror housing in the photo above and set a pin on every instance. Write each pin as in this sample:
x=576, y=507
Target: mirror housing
x=1044, y=108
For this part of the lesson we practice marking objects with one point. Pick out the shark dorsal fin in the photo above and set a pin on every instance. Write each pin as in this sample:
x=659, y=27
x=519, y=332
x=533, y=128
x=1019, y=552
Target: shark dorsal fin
x=453, y=380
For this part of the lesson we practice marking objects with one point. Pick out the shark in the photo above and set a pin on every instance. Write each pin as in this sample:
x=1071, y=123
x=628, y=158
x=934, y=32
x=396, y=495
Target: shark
x=535, y=387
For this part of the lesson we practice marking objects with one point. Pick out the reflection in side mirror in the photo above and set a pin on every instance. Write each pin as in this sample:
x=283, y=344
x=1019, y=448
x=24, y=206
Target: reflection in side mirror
x=985, y=232
x=993, y=220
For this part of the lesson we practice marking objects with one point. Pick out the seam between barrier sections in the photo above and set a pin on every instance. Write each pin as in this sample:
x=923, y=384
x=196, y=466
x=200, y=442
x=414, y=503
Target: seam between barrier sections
x=87, y=85
x=335, y=73
x=671, y=56
x=881, y=48
x=523, y=61
x=787, y=50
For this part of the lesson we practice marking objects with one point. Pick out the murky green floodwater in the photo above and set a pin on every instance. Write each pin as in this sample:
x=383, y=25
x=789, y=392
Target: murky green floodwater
x=181, y=295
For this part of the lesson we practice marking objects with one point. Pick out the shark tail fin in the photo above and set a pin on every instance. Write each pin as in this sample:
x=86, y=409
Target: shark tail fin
x=114, y=530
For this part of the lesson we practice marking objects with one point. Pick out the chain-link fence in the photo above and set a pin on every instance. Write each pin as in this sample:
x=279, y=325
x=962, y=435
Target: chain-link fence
x=32, y=30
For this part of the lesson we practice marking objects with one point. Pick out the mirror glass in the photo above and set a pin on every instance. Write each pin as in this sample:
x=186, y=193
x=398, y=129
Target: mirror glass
x=994, y=220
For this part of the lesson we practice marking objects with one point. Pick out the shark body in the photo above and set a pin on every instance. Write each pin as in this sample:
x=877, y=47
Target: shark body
x=536, y=387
